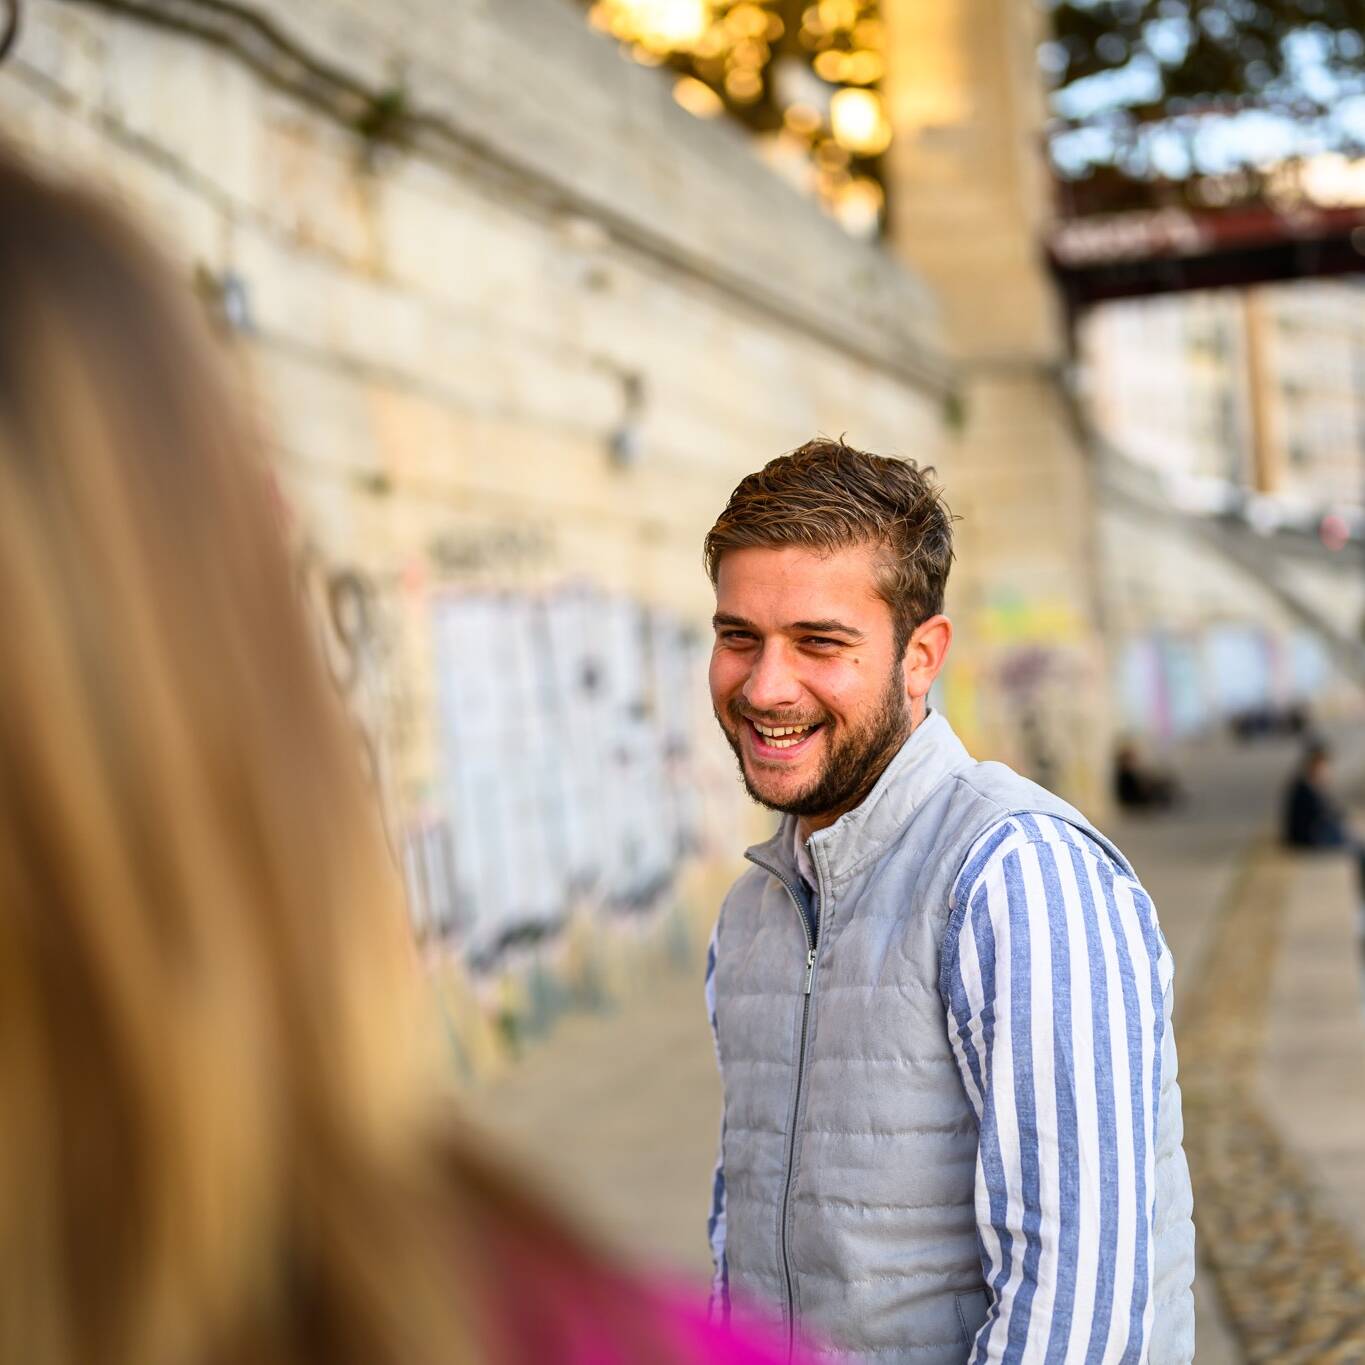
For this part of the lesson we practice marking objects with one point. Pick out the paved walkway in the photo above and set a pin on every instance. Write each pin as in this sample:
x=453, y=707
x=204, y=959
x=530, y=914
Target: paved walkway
x=620, y=1111
x=1312, y=1064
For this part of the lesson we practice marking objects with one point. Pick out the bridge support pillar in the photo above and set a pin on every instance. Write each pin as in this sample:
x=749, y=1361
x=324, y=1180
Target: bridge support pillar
x=969, y=196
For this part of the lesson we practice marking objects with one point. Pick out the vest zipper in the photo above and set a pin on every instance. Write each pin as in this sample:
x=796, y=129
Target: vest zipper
x=785, y=1212
x=785, y=1224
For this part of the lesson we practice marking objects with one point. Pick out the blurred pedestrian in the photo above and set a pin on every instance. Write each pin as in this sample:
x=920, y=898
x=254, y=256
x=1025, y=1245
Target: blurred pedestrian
x=941, y=999
x=225, y=1139
x=1313, y=817
x=1138, y=785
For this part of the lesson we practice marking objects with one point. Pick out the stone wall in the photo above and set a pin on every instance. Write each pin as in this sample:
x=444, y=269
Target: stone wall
x=511, y=347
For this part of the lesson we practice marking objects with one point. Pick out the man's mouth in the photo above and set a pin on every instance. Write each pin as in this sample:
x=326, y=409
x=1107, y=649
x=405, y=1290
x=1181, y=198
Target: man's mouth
x=770, y=740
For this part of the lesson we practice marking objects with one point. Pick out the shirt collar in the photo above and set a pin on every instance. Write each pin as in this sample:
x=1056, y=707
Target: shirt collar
x=805, y=868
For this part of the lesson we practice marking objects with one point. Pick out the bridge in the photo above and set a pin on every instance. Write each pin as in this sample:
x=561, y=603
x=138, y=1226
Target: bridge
x=1127, y=255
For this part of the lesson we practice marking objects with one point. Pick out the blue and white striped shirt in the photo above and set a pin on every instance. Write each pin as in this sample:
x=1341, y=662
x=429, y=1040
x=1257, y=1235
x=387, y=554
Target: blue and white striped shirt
x=1053, y=973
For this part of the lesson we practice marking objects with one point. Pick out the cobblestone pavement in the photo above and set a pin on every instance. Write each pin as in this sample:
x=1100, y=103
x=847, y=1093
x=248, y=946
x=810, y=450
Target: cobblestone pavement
x=1291, y=1277
x=620, y=1111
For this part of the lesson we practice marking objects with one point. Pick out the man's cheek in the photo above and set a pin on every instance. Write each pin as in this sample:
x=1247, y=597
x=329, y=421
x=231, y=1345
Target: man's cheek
x=724, y=678
x=713, y=678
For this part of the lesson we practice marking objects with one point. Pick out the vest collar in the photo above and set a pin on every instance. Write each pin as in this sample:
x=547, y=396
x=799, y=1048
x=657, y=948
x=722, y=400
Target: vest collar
x=931, y=753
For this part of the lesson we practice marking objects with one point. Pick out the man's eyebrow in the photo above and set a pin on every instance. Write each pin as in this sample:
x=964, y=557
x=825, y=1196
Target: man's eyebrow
x=827, y=628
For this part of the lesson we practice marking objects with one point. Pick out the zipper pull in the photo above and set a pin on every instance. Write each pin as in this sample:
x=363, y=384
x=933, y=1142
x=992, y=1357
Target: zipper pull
x=810, y=969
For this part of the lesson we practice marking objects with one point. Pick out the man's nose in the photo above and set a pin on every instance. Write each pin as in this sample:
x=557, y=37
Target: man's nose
x=771, y=684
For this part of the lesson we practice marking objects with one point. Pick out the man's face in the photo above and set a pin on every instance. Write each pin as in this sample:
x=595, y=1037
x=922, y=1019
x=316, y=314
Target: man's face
x=804, y=643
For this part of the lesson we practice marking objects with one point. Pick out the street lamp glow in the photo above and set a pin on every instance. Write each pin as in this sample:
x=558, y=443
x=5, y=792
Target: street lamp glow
x=665, y=24
x=859, y=121
x=697, y=97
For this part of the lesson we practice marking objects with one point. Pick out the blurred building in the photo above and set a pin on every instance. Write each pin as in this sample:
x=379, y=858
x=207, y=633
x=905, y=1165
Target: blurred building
x=1306, y=383
x=1238, y=393
x=1248, y=407
x=1167, y=381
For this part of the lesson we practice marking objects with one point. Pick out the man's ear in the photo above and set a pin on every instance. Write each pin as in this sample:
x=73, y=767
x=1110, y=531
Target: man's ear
x=924, y=654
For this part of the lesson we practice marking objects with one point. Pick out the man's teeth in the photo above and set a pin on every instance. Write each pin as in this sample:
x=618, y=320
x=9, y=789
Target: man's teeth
x=783, y=736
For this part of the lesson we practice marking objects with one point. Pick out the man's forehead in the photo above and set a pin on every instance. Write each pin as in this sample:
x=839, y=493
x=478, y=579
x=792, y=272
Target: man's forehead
x=799, y=582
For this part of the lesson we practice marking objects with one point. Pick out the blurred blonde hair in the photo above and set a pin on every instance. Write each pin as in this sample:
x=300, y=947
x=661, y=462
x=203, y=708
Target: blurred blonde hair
x=220, y=1136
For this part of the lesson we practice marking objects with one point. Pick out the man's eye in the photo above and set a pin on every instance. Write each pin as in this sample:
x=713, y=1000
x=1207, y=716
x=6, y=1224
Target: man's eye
x=820, y=640
x=736, y=637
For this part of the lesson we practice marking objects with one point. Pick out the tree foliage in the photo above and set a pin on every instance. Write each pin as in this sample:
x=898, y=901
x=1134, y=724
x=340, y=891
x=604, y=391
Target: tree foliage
x=1147, y=74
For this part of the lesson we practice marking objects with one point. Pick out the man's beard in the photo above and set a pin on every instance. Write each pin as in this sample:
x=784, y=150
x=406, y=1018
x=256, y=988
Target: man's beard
x=852, y=765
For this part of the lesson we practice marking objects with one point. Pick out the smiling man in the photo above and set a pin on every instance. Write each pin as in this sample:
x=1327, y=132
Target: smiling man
x=941, y=998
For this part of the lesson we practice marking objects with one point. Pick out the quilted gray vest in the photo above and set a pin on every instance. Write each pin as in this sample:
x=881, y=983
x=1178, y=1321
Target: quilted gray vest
x=850, y=1144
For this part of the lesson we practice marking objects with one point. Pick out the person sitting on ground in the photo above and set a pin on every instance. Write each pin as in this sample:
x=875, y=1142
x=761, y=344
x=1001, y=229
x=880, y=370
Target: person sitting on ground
x=1313, y=818
x=227, y=1136
x=1138, y=786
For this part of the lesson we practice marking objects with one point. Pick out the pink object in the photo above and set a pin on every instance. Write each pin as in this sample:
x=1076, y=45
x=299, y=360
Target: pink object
x=745, y=1342
x=560, y=1307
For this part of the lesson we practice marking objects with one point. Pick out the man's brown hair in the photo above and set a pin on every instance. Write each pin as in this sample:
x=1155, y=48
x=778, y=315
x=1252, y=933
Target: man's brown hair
x=827, y=496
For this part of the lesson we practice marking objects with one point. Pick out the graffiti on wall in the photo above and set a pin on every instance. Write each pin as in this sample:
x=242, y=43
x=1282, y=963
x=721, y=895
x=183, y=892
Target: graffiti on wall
x=1013, y=689
x=1171, y=684
x=428, y=854
x=344, y=607
x=1031, y=680
x=502, y=549
x=565, y=772
x=566, y=724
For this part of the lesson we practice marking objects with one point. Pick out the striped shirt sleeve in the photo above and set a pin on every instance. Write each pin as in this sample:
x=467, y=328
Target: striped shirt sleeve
x=715, y=1223
x=1054, y=972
